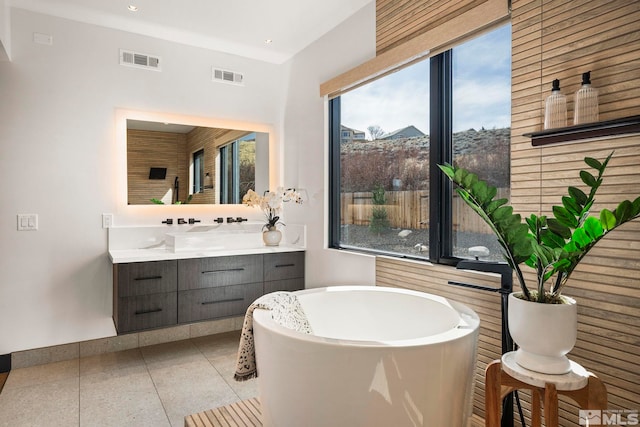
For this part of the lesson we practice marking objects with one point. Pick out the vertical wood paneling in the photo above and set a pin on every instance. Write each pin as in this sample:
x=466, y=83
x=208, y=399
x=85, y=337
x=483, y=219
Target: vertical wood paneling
x=562, y=39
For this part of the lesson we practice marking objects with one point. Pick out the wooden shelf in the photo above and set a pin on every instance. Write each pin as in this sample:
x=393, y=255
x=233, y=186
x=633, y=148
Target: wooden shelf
x=622, y=126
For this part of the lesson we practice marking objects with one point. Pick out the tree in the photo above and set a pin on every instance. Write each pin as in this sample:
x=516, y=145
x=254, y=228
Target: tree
x=375, y=132
x=379, y=219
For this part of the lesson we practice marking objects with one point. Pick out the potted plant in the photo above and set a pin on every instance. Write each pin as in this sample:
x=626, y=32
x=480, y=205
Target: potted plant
x=271, y=205
x=542, y=321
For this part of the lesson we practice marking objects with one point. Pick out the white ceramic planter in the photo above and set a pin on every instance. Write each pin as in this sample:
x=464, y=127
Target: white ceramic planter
x=272, y=237
x=545, y=333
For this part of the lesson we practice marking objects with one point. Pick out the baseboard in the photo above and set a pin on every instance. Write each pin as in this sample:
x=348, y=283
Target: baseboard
x=5, y=362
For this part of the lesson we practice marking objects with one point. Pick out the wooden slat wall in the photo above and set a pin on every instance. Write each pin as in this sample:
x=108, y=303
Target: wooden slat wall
x=434, y=279
x=147, y=149
x=205, y=138
x=562, y=39
x=399, y=21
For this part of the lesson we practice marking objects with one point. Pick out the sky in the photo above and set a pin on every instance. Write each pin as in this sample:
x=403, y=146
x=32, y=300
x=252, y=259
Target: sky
x=481, y=92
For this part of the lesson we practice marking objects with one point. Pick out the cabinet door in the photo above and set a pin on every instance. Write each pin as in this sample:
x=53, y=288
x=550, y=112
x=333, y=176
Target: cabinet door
x=144, y=278
x=147, y=311
x=286, y=265
x=199, y=273
x=289, y=285
x=220, y=301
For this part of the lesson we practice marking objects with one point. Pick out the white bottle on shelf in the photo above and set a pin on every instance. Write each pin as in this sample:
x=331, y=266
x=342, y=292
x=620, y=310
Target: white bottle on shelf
x=555, y=111
x=586, y=108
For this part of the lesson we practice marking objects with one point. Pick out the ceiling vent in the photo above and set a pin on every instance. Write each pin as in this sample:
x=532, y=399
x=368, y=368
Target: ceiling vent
x=227, y=76
x=139, y=60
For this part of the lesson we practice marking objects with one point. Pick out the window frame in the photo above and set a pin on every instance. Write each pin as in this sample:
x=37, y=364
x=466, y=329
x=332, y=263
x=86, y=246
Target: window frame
x=441, y=240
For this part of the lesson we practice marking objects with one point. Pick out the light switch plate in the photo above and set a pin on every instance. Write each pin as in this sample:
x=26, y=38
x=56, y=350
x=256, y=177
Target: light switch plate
x=27, y=222
x=107, y=220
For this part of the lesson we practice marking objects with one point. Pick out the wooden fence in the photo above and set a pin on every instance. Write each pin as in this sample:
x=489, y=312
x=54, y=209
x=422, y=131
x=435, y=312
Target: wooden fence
x=408, y=209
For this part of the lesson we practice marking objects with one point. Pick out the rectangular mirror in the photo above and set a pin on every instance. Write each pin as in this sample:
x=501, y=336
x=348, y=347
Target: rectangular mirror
x=175, y=163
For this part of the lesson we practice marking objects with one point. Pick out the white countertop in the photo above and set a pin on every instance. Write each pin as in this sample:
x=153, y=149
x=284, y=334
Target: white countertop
x=119, y=256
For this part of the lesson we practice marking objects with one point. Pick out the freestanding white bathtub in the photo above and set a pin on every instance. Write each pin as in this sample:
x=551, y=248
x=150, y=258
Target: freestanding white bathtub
x=377, y=357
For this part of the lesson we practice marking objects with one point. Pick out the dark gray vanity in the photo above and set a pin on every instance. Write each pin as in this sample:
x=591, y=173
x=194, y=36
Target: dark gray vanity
x=155, y=294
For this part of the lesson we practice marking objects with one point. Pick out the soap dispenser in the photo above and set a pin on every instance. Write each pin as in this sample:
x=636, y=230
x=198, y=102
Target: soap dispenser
x=555, y=112
x=586, y=108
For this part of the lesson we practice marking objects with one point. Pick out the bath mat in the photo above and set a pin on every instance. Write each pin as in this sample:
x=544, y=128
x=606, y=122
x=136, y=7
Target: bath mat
x=285, y=310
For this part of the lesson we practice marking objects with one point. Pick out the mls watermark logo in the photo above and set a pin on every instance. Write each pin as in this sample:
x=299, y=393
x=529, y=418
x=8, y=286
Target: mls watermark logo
x=608, y=417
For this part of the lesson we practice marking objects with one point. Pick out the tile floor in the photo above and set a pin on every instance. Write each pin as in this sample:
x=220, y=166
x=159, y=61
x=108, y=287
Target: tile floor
x=149, y=386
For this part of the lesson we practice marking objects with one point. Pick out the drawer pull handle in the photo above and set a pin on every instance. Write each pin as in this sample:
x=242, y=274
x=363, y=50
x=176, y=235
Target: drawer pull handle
x=154, y=310
x=285, y=265
x=148, y=278
x=223, y=271
x=222, y=300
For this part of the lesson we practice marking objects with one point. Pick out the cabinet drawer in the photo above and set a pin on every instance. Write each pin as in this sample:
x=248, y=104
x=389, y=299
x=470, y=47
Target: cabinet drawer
x=146, y=311
x=144, y=278
x=289, y=285
x=219, y=271
x=287, y=265
x=220, y=301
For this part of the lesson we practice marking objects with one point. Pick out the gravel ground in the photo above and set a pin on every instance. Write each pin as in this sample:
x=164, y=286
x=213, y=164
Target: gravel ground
x=416, y=243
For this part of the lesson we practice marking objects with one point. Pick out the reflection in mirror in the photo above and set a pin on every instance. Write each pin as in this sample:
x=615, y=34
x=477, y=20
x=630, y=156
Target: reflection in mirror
x=179, y=164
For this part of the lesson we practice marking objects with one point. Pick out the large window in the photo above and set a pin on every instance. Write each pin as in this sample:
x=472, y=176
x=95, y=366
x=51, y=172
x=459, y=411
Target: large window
x=387, y=194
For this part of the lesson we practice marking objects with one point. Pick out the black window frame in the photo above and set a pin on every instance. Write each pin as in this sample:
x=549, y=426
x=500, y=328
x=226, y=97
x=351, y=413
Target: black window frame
x=198, y=171
x=441, y=151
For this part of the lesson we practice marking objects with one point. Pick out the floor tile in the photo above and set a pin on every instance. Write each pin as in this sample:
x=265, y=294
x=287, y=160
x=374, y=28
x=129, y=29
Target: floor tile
x=190, y=387
x=111, y=362
x=226, y=366
x=51, y=404
x=222, y=345
x=171, y=354
x=35, y=375
x=120, y=398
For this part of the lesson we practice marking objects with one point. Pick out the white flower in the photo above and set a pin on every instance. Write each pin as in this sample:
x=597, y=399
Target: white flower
x=271, y=203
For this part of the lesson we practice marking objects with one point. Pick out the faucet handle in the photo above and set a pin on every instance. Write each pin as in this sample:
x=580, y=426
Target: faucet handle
x=219, y=220
x=168, y=221
x=240, y=219
x=193, y=220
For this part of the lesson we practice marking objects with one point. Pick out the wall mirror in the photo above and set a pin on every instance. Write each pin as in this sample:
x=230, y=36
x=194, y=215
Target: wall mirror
x=178, y=160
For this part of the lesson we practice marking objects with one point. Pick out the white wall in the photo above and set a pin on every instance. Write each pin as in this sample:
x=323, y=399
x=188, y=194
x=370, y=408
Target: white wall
x=305, y=149
x=58, y=159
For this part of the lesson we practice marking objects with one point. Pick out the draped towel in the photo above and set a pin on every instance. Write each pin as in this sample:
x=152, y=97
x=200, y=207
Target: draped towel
x=285, y=310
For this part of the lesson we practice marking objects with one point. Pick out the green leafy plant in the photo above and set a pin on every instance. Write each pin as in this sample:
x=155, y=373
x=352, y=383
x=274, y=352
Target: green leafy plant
x=379, y=217
x=552, y=246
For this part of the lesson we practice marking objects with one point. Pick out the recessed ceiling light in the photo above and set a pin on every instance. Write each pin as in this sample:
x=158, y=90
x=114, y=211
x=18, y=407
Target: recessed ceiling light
x=268, y=41
x=132, y=8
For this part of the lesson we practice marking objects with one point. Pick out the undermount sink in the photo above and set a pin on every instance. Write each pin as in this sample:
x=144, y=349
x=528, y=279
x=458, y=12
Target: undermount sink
x=213, y=240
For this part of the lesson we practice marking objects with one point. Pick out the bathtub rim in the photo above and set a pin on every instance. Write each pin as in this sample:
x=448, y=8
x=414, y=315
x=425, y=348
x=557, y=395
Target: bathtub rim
x=469, y=321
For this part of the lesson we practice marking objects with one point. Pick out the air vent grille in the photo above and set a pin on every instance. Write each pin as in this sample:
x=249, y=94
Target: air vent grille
x=139, y=60
x=227, y=76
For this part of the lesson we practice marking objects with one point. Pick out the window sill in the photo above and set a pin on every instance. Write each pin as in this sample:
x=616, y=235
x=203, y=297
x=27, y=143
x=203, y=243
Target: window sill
x=627, y=125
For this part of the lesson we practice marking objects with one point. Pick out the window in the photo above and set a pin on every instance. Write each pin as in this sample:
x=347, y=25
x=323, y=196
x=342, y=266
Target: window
x=237, y=169
x=198, y=171
x=387, y=193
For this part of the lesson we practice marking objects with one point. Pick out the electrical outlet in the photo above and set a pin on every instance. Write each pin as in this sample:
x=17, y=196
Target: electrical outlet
x=107, y=220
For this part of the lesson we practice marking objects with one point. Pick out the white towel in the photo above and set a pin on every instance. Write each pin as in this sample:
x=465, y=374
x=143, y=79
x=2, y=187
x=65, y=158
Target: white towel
x=285, y=310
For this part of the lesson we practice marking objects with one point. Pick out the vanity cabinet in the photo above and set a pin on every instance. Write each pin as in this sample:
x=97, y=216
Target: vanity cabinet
x=216, y=287
x=156, y=294
x=283, y=271
x=144, y=295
